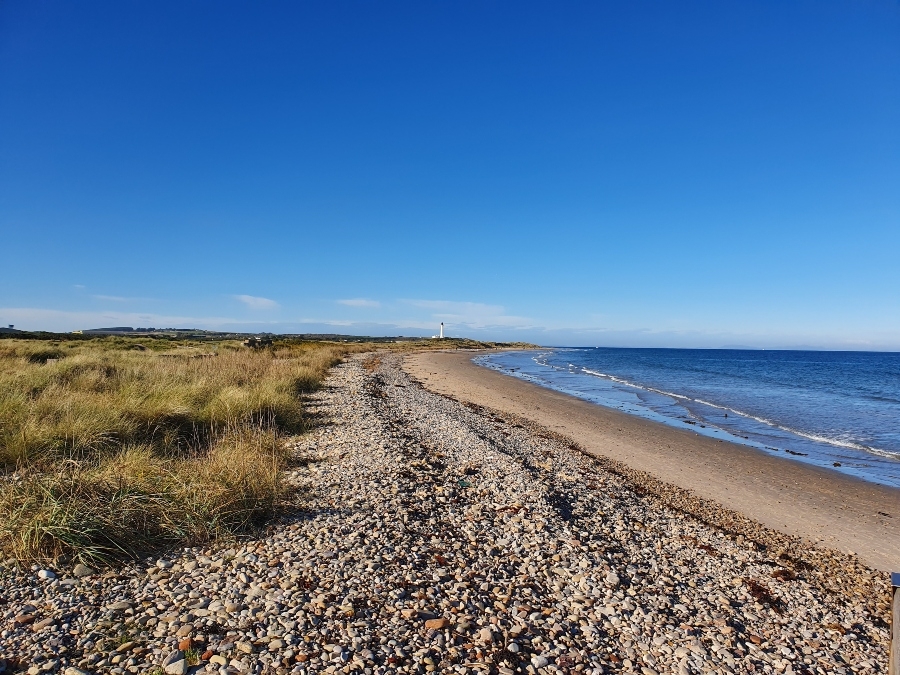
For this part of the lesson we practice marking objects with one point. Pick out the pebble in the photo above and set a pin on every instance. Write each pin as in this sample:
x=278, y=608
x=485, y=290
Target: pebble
x=173, y=657
x=178, y=667
x=80, y=571
x=44, y=623
x=433, y=536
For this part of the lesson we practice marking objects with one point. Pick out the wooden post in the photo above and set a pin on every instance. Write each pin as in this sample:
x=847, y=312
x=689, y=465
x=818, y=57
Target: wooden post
x=894, y=667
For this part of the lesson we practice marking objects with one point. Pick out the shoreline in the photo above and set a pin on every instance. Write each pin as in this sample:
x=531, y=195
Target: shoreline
x=827, y=453
x=427, y=534
x=824, y=508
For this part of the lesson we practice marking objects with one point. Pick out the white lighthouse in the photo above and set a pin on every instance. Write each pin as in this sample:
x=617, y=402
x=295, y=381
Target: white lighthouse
x=442, y=330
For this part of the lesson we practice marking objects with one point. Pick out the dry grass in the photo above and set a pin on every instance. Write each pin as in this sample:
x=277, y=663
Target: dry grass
x=111, y=448
x=94, y=399
x=115, y=447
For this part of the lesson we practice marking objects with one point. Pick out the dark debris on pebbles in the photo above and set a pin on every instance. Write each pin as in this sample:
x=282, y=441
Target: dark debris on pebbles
x=434, y=536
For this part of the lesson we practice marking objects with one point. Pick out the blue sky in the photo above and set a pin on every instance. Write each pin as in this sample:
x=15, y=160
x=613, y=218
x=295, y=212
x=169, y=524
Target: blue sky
x=642, y=173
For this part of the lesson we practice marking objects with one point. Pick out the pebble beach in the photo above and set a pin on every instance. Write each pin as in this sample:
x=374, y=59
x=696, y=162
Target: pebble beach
x=428, y=534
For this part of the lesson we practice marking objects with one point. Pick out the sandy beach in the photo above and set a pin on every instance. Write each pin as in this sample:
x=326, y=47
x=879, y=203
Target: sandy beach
x=433, y=535
x=822, y=507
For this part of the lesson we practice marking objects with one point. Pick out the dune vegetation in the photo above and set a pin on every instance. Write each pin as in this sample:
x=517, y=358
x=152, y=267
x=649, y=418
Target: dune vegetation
x=117, y=447
x=114, y=447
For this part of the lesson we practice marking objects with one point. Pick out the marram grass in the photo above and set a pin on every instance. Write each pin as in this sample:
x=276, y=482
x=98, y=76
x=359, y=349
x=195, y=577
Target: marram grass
x=114, y=448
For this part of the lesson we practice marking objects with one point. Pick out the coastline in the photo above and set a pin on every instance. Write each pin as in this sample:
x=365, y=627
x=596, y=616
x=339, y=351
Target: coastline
x=822, y=507
x=426, y=534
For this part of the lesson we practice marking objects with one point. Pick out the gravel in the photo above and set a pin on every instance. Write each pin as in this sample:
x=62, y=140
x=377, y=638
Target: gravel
x=432, y=536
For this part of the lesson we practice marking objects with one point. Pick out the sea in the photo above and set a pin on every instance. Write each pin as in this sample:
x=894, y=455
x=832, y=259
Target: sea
x=838, y=410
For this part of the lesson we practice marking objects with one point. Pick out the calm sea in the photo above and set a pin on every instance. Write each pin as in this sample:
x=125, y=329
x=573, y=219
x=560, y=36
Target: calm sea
x=839, y=410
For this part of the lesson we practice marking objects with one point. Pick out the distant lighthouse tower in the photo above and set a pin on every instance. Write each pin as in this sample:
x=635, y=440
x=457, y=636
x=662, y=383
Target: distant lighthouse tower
x=442, y=330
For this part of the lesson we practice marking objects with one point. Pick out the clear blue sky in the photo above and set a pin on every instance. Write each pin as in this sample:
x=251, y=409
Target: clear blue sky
x=629, y=173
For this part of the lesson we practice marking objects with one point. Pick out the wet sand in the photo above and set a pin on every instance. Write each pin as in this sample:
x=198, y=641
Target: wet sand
x=823, y=507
